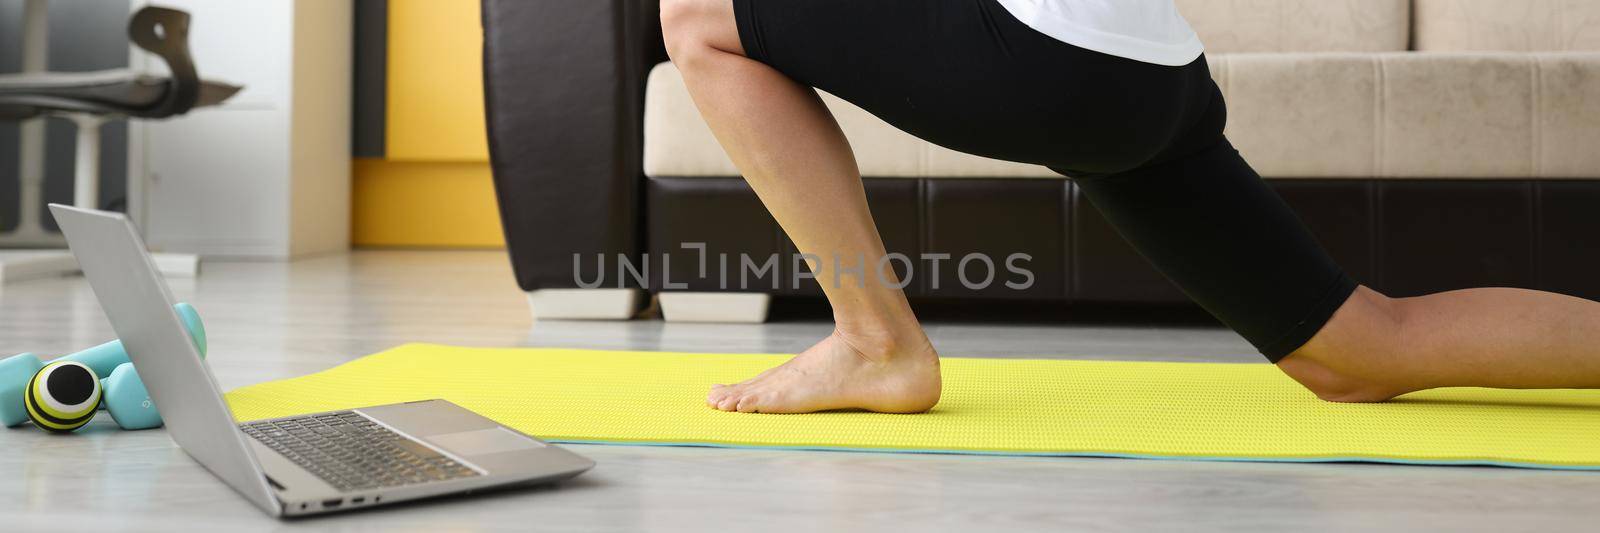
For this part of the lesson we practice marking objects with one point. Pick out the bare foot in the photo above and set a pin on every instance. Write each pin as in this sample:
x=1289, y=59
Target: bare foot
x=841, y=373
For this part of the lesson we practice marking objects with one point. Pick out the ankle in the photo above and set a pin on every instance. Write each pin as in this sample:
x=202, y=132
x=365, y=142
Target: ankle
x=884, y=344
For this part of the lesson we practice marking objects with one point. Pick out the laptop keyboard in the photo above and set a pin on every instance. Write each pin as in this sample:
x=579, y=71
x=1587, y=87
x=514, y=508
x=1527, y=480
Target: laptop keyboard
x=351, y=452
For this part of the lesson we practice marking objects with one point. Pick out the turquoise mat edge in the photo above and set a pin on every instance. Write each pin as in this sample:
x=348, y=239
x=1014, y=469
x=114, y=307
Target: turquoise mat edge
x=1207, y=458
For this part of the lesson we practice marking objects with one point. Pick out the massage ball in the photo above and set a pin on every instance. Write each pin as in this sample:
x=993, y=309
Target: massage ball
x=63, y=396
x=105, y=360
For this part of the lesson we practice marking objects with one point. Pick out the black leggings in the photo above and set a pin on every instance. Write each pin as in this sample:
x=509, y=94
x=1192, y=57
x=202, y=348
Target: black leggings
x=1142, y=141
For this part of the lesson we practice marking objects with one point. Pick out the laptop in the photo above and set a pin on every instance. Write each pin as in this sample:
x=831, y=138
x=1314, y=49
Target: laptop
x=302, y=465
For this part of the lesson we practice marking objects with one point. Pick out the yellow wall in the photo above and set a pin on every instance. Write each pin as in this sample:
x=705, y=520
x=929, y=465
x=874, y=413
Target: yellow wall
x=435, y=106
x=433, y=187
x=440, y=204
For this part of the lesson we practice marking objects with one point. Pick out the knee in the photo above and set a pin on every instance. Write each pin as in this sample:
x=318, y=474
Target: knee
x=677, y=23
x=1358, y=354
x=1334, y=384
x=688, y=28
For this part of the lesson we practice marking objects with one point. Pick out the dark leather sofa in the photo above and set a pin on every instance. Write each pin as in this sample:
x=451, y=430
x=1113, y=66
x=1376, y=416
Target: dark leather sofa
x=565, y=83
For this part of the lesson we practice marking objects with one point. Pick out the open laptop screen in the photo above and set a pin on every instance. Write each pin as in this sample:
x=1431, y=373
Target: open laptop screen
x=139, y=305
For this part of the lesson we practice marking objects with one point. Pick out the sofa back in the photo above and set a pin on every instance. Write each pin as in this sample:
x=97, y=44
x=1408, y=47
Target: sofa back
x=1507, y=25
x=1228, y=26
x=1300, y=25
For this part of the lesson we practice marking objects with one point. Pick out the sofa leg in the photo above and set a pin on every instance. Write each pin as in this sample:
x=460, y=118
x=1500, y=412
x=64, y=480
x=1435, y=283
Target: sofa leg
x=584, y=304
x=741, y=307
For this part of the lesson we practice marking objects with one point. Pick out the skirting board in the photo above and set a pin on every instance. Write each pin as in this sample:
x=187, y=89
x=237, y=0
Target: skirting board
x=23, y=265
x=175, y=265
x=32, y=239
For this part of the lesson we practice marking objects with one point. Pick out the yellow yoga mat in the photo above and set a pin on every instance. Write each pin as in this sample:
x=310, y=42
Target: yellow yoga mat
x=1209, y=411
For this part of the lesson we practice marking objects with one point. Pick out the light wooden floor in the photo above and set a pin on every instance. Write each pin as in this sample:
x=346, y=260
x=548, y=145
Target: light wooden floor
x=269, y=321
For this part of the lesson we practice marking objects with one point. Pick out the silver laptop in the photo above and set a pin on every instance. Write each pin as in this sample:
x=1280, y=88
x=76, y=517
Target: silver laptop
x=317, y=463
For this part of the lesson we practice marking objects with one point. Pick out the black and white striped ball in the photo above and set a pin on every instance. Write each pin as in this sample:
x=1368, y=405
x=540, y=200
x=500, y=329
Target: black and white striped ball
x=62, y=396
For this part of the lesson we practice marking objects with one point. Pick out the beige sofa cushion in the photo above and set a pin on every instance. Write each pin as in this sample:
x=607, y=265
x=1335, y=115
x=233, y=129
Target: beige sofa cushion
x=1299, y=115
x=1407, y=115
x=677, y=141
x=1399, y=115
x=1567, y=136
x=1507, y=25
x=1227, y=26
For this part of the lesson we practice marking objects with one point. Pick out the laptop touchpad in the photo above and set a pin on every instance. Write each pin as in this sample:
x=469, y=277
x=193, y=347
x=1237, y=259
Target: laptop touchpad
x=484, y=441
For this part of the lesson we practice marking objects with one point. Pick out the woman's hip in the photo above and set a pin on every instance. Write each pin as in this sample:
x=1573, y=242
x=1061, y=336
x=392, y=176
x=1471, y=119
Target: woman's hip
x=967, y=75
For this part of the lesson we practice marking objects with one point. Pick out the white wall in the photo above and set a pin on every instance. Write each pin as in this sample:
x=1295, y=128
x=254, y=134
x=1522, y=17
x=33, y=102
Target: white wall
x=266, y=175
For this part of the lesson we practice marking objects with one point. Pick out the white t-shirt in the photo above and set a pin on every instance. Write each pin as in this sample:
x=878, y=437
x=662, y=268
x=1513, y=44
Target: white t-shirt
x=1151, y=31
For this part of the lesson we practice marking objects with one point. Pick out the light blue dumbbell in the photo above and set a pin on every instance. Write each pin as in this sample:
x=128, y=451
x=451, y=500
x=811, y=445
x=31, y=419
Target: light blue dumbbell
x=125, y=396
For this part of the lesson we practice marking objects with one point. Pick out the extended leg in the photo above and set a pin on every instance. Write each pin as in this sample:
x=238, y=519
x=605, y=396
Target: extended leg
x=1377, y=347
x=1209, y=223
x=791, y=151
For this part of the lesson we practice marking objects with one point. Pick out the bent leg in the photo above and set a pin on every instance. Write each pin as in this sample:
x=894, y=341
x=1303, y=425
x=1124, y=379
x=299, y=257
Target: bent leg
x=1209, y=223
x=1213, y=227
x=1376, y=347
x=793, y=154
